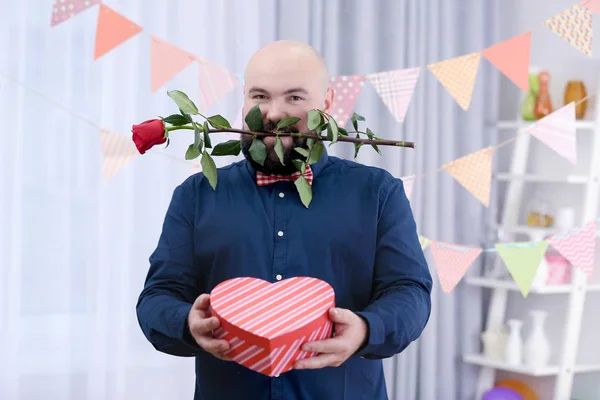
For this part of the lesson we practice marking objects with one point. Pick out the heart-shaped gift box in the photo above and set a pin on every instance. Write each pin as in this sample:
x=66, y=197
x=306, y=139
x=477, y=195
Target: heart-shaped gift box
x=267, y=323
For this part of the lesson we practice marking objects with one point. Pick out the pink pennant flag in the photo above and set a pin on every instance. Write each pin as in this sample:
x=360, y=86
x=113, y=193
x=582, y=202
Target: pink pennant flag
x=511, y=57
x=452, y=262
x=112, y=30
x=457, y=76
x=575, y=26
x=166, y=61
x=215, y=83
x=62, y=10
x=474, y=173
x=578, y=246
x=396, y=89
x=558, y=131
x=347, y=89
x=592, y=5
x=408, y=182
x=117, y=152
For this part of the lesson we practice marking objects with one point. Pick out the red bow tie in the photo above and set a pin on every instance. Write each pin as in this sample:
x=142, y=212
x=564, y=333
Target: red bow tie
x=264, y=180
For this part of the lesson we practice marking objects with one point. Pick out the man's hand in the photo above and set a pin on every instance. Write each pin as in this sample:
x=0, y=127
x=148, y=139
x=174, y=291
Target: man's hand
x=201, y=326
x=350, y=333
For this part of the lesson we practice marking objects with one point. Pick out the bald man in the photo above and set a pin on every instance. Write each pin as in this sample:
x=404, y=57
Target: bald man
x=358, y=235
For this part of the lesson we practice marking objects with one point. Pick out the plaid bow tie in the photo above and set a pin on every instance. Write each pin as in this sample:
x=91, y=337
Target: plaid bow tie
x=264, y=180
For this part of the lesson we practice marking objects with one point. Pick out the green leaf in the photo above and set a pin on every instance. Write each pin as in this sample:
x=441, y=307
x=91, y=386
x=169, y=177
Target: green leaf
x=316, y=153
x=300, y=165
x=357, y=146
x=192, y=152
x=258, y=151
x=332, y=130
x=302, y=151
x=355, y=118
x=209, y=169
x=287, y=121
x=228, y=148
x=176, y=120
x=315, y=119
x=279, y=149
x=376, y=149
x=168, y=142
x=310, y=142
x=304, y=190
x=186, y=106
x=197, y=138
x=254, y=119
x=343, y=132
x=218, y=122
x=207, y=142
x=370, y=134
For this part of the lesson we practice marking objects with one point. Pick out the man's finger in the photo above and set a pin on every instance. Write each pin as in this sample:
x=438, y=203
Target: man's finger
x=202, y=302
x=213, y=345
x=320, y=361
x=203, y=326
x=333, y=345
x=341, y=315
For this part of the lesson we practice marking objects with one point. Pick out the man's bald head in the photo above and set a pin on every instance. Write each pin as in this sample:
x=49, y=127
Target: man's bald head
x=285, y=79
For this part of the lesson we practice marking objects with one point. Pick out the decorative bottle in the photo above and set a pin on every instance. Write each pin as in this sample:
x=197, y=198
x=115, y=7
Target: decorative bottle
x=513, y=352
x=528, y=105
x=574, y=92
x=543, y=104
x=537, y=347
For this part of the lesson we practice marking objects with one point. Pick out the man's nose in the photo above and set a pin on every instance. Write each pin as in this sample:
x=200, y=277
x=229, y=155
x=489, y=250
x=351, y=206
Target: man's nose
x=274, y=112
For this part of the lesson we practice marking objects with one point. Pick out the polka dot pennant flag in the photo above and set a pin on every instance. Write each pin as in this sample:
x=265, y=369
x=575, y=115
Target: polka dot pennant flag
x=62, y=10
x=346, y=91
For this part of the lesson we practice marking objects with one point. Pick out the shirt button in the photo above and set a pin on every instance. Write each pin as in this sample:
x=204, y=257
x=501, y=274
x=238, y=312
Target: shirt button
x=280, y=233
x=282, y=195
x=278, y=277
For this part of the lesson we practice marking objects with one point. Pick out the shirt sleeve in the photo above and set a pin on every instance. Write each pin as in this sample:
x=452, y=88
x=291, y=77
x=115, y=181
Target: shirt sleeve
x=401, y=302
x=171, y=285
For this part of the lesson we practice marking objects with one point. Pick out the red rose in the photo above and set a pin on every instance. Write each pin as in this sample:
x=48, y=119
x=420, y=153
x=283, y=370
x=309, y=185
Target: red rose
x=148, y=133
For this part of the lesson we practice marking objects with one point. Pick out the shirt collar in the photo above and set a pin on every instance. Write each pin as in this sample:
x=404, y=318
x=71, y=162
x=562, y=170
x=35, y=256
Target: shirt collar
x=316, y=167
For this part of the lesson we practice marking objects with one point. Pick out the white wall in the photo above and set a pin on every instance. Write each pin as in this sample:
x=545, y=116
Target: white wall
x=563, y=62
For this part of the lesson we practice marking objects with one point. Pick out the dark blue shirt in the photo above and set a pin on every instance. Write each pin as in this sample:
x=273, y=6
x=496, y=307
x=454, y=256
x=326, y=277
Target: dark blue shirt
x=358, y=235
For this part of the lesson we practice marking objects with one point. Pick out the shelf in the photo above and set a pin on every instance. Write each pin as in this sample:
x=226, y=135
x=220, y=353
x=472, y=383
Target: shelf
x=551, y=370
x=581, y=125
x=510, y=285
x=579, y=179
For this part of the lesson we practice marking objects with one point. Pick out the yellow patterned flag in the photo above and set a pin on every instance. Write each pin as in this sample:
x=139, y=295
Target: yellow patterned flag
x=424, y=242
x=474, y=173
x=458, y=75
x=575, y=26
x=117, y=152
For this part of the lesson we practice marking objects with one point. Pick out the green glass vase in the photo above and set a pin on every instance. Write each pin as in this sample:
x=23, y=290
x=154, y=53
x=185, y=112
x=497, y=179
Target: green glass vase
x=528, y=105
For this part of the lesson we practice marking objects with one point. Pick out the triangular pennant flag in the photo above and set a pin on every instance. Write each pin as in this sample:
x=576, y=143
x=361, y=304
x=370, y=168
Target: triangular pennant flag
x=592, y=5
x=511, y=57
x=347, y=88
x=62, y=10
x=112, y=30
x=396, y=89
x=408, y=182
x=117, y=152
x=578, y=246
x=452, y=262
x=575, y=26
x=458, y=76
x=166, y=61
x=558, y=131
x=522, y=260
x=424, y=242
x=474, y=173
x=215, y=83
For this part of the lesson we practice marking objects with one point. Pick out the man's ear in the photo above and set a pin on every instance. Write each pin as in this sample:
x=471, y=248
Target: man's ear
x=329, y=95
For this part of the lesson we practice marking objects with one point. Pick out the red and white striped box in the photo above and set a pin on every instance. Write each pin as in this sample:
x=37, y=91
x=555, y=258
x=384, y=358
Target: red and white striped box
x=267, y=323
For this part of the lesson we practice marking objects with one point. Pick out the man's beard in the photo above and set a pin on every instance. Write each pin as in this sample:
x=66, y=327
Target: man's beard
x=270, y=166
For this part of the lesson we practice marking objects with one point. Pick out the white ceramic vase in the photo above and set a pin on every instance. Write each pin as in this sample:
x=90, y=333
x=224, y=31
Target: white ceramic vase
x=513, y=351
x=537, y=347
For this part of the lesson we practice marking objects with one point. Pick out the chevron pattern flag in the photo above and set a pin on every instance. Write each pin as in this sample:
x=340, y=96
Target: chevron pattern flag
x=396, y=89
x=578, y=246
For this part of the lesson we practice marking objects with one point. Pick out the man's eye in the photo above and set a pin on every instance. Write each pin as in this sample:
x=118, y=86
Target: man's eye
x=296, y=98
x=259, y=97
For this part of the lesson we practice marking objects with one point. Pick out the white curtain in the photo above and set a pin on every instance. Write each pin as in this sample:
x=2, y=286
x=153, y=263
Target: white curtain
x=74, y=249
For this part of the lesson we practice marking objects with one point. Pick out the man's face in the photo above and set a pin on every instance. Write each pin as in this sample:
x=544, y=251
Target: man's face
x=283, y=91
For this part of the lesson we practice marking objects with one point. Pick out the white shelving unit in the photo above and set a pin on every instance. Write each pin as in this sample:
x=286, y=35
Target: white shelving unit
x=575, y=292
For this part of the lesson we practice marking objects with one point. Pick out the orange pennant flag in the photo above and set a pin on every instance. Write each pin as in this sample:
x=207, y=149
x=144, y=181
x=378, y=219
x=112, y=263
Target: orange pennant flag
x=452, y=262
x=117, y=152
x=511, y=57
x=167, y=61
x=458, y=75
x=112, y=30
x=474, y=173
x=575, y=26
